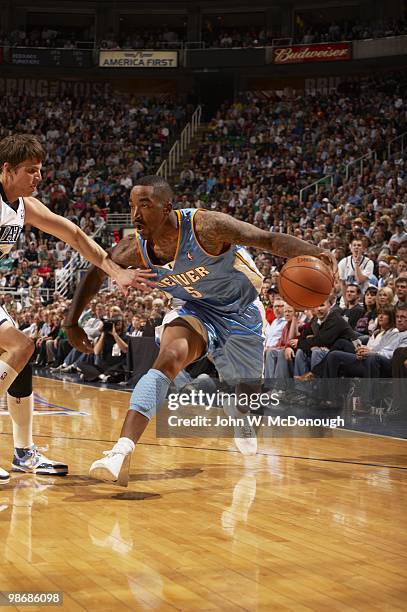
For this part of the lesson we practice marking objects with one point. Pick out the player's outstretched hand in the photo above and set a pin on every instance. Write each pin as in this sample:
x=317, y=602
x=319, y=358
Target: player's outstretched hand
x=138, y=278
x=78, y=339
x=330, y=260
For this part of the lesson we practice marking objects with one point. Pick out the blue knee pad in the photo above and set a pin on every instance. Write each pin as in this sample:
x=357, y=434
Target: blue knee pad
x=149, y=393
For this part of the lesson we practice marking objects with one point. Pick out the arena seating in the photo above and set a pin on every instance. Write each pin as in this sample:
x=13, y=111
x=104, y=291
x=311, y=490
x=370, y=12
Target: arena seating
x=254, y=158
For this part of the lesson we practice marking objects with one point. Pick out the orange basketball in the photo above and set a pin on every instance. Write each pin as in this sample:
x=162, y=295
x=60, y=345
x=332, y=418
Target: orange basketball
x=305, y=282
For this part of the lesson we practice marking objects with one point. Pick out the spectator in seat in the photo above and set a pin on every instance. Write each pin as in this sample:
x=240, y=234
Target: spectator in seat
x=273, y=333
x=393, y=261
x=372, y=360
x=290, y=331
x=399, y=365
x=367, y=322
x=111, y=348
x=46, y=355
x=384, y=273
x=356, y=268
x=31, y=254
x=94, y=325
x=400, y=235
x=61, y=347
x=401, y=290
x=271, y=294
x=385, y=297
x=135, y=329
x=353, y=309
x=328, y=330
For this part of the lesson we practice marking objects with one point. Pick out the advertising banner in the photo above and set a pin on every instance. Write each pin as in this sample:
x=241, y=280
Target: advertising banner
x=297, y=54
x=138, y=59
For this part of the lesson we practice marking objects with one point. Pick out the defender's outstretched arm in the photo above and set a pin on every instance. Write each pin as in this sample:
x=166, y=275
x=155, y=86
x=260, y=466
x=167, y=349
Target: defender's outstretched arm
x=125, y=255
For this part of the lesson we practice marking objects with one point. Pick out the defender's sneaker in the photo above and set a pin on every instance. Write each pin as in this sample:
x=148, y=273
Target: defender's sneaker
x=30, y=460
x=245, y=435
x=4, y=476
x=115, y=466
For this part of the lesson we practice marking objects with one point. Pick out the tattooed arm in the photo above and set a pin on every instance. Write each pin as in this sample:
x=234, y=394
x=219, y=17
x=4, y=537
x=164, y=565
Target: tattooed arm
x=125, y=254
x=216, y=231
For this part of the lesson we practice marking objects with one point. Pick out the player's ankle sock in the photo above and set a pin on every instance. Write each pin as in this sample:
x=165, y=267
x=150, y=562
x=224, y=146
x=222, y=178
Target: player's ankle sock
x=7, y=376
x=21, y=412
x=149, y=393
x=124, y=445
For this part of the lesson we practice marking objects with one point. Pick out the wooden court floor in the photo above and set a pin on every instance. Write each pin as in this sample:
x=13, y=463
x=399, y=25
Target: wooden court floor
x=310, y=524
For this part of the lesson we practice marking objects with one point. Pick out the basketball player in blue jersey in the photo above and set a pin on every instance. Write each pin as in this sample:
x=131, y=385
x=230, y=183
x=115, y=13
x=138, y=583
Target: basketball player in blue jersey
x=196, y=258
x=21, y=158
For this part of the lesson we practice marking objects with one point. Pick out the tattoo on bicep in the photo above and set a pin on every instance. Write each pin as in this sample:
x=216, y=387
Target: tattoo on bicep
x=212, y=233
x=127, y=254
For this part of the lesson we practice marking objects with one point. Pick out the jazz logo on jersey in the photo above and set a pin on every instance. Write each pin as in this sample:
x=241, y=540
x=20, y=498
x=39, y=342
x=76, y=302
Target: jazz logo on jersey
x=8, y=237
x=9, y=233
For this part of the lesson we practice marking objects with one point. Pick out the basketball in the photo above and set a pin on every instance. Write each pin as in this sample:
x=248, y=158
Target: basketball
x=305, y=282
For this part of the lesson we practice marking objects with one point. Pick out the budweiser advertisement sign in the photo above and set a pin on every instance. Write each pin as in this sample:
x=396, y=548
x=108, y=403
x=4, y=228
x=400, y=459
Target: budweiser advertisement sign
x=297, y=54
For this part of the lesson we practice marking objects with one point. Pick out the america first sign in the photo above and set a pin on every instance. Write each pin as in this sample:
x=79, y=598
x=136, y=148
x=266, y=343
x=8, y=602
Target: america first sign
x=138, y=59
x=297, y=54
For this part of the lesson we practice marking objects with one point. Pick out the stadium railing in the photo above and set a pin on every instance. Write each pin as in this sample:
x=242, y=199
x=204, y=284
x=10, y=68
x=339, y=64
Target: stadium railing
x=401, y=141
x=397, y=145
x=64, y=280
x=178, y=149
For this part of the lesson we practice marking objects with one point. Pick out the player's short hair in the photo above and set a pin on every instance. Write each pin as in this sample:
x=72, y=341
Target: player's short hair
x=161, y=187
x=18, y=148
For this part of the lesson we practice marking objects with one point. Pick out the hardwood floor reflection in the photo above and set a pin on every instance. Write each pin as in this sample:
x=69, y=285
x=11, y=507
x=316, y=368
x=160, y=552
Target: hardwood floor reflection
x=308, y=524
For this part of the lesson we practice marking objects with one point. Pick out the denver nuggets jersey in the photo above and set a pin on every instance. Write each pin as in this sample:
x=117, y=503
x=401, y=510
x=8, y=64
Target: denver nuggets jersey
x=11, y=223
x=225, y=283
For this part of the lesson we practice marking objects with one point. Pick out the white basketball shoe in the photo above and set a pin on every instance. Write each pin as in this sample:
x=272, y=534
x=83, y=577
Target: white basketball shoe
x=4, y=476
x=115, y=466
x=244, y=433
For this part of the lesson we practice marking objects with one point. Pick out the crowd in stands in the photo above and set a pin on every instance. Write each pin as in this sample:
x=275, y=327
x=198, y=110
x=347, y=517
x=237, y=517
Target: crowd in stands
x=348, y=30
x=258, y=153
x=109, y=321
x=48, y=37
x=146, y=38
x=214, y=35
x=95, y=151
x=254, y=158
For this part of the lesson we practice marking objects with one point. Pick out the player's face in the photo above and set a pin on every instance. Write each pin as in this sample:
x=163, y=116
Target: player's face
x=148, y=212
x=24, y=178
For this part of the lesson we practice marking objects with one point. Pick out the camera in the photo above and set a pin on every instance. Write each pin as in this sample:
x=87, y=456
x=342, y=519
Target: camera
x=108, y=325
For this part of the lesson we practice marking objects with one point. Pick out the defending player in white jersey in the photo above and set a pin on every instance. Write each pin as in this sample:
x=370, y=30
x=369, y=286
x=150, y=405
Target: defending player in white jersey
x=21, y=158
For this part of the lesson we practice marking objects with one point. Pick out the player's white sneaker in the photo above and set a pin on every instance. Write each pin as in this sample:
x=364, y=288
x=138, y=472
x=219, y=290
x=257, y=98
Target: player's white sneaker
x=4, y=476
x=32, y=461
x=115, y=466
x=245, y=435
